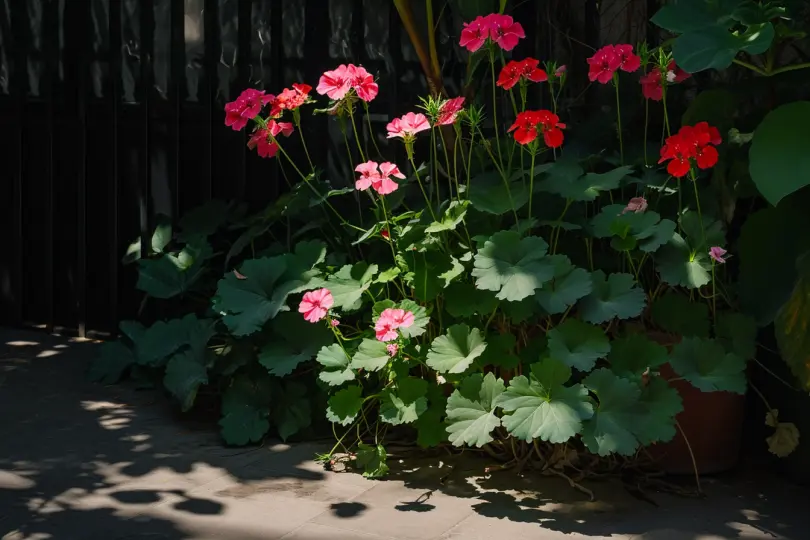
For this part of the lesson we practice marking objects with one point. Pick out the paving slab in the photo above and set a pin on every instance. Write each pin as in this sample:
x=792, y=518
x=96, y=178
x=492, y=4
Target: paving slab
x=80, y=461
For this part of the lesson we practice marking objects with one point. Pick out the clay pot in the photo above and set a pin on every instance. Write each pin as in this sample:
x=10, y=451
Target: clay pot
x=712, y=422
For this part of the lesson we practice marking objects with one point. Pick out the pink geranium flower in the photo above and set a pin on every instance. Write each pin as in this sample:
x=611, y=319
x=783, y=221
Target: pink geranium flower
x=387, y=186
x=263, y=139
x=336, y=83
x=628, y=61
x=246, y=107
x=474, y=34
x=290, y=99
x=448, y=112
x=504, y=31
x=315, y=304
x=368, y=173
x=407, y=126
x=378, y=176
x=392, y=349
x=603, y=64
x=718, y=254
x=362, y=82
x=389, y=321
x=637, y=205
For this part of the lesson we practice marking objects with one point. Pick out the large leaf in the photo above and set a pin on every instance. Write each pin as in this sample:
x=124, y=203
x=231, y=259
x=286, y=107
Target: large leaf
x=427, y=267
x=372, y=459
x=692, y=15
x=569, y=285
x=616, y=296
x=112, y=362
x=489, y=193
x=185, y=373
x=464, y=300
x=680, y=265
x=335, y=362
x=172, y=274
x=541, y=407
x=737, y=332
x=632, y=355
x=710, y=48
x=349, y=283
x=586, y=187
x=452, y=217
x=660, y=403
x=291, y=409
x=204, y=220
x=245, y=409
x=610, y=430
x=512, y=266
x=294, y=341
x=405, y=403
x=345, y=405
x=779, y=162
x=791, y=326
x=707, y=366
x=578, y=344
x=500, y=351
x=471, y=419
x=154, y=345
x=675, y=313
x=372, y=355
x=431, y=428
x=455, y=351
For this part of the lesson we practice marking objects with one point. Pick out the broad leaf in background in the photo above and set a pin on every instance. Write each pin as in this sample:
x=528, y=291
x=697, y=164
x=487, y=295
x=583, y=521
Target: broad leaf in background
x=737, y=333
x=676, y=314
x=452, y=217
x=173, y=273
x=372, y=459
x=455, y=351
x=431, y=428
x=345, y=405
x=681, y=265
x=291, y=409
x=791, y=326
x=707, y=366
x=349, y=283
x=245, y=409
x=610, y=429
x=541, y=407
x=404, y=403
x=632, y=355
x=512, y=266
x=186, y=371
x=371, y=355
x=577, y=344
x=779, y=158
x=154, y=345
x=569, y=285
x=112, y=362
x=613, y=296
x=660, y=403
x=336, y=365
x=471, y=418
x=293, y=342
x=489, y=193
x=464, y=300
x=586, y=187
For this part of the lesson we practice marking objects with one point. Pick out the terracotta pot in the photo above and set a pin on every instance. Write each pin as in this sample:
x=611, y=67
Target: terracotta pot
x=712, y=422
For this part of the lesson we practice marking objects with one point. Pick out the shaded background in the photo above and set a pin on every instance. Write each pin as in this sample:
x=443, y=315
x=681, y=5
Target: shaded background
x=111, y=112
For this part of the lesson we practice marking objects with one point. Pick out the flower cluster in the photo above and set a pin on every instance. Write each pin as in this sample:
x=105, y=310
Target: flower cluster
x=316, y=304
x=338, y=82
x=263, y=139
x=531, y=123
x=390, y=320
x=691, y=143
x=521, y=71
x=407, y=126
x=377, y=176
x=499, y=29
x=609, y=59
x=246, y=107
x=289, y=99
x=652, y=83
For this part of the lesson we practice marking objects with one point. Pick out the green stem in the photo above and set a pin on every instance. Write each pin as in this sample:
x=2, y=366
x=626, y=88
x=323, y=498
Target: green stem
x=297, y=118
x=469, y=162
x=697, y=203
x=495, y=105
x=390, y=230
x=794, y=67
x=752, y=67
x=555, y=231
x=371, y=131
x=492, y=316
x=531, y=185
x=666, y=115
x=424, y=193
x=714, y=295
x=354, y=128
x=618, y=116
x=632, y=266
x=646, y=125
x=447, y=162
x=505, y=181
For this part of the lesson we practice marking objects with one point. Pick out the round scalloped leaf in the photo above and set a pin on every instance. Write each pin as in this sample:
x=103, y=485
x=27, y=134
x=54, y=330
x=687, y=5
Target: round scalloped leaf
x=490, y=194
x=349, y=283
x=541, y=407
x=500, y=351
x=404, y=403
x=660, y=404
x=602, y=224
x=455, y=351
x=372, y=355
x=657, y=236
x=464, y=300
x=702, y=234
x=707, y=366
x=614, y=297
x=680, y=266
x=336, y=365
x=113, y=360
x=291, y=409
x=345, y=405
x=471, y=419
x=372, y=459
x=245, y=409
x=610, y=430
x=512, y=266
x=172, y=274
x=578, y=344
x=185, y=373
x=676, y=314
x=738, y=333
x=569, y=285
x=586, y=187
x=451, y=218
x=633, y=354
x=295, y=341
x=431, y=428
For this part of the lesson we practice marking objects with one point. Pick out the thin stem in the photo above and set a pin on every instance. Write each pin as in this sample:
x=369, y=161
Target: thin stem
x=495, y=105
x=666, y=115
x=390, y=239
x=371, y=131
x=354, y=128
x=646, y=125
x=303, y=141
x=424, y=193
x=714, y=295
x=555, y=231
x=531, y=185
x=632, y=266
x=691, y=455
x=794, y=67
x=752, y=67
x=618, y=116
x=697, y=203
x=447, y=161
x=492, y=316
x=469, y=163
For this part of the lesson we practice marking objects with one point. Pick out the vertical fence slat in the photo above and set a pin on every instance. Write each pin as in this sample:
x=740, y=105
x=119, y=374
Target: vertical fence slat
x=146, y=27
x=211, y=31
x=50, y=27
x=245, y=22
x=115, y=78
x=177, y=83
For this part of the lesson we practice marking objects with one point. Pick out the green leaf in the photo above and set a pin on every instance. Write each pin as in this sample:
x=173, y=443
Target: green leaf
x=702, y=234
x=372, y=459
x=757, y=38
x=387, y=276
x=679, y=265
x=406, y=403
x=349, y=283
x=511, y=266
x=518, y=312
x=471, y=421
x=602, y=224
x=172, y=274
x=245, y=409
x=685, y=16
x=716, y=106
x=247, y=304
x=779, y=162
x=660, y=404
x=455, y=351
x=295, y=341
x=569, y=285
x=455, y=271
x=154, y=345
x=500, y=351
x=113, y=360
x=453, y=215
x=464, y=300
x=676, y=314
x=336, y=365
x=791, y=326
x=707, y=366
x=656, y=236
x=204, y=220
x=587, y=187
x=379, y=307
x=421, y=318
x=372, y=355
x=710, y=48
x=616, y=296
x=541, y=407
x=291, y=410
x=431, y=428
x=630, y=356
x=610, y=430
x=345, y=405
x=577, y=344
x=185, y=372
x=489, y=193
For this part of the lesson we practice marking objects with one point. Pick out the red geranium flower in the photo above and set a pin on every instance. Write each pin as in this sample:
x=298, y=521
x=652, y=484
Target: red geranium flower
x=263, y=139
x=691, y=142
x=678, y=150
x=515, y=71
x=246, y=107
x=652, y=83
x=529, y=123
x=628, y=61
x=676, y=74
x=552, y=128
x=603, y=64
x=504, y=31
x=290, y=99
x=448, y=111
x=336, y=83
x=532, y=72
x=474, y=34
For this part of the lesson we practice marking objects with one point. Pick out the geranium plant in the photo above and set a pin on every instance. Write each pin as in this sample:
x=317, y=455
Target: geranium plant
x=505, y=293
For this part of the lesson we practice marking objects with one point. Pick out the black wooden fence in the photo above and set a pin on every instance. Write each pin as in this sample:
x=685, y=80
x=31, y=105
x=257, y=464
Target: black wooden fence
x=111, y=113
